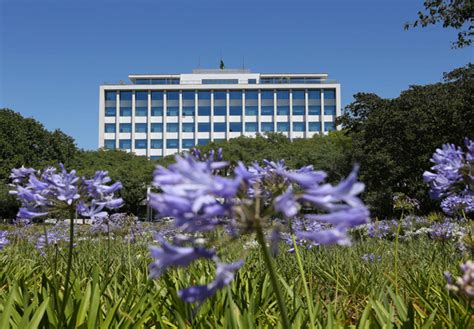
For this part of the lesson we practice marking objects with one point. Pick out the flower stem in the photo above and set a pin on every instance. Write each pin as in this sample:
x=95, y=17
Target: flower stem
x=305, y=284
x=69, y=266
x=273, y=276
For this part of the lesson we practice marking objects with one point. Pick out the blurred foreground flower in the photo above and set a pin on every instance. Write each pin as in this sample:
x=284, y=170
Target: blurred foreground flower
x=463, y=285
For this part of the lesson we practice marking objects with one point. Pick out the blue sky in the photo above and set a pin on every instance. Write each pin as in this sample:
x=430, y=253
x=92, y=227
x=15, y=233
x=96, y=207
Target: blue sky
x=54, y=54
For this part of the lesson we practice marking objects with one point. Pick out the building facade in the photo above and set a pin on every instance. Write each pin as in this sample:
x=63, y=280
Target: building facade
x=161, y=114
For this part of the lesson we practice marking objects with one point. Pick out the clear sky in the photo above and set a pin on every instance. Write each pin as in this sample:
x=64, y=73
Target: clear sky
x=54, y=54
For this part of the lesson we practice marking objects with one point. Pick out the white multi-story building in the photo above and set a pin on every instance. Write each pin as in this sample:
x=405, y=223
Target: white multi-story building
x=161, y=114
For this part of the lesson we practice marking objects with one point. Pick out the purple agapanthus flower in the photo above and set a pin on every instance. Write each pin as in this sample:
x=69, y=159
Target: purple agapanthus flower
x=224, y=276
x=463, y=285
x=3, y=239
x=199, y=200
x=452, y=178
x=41, y=192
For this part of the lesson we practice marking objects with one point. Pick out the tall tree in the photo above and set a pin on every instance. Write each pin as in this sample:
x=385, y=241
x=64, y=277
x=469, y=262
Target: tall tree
x=393, y=139
x=457, y=14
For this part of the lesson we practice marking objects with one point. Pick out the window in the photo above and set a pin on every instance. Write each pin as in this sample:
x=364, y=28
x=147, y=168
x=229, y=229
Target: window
x=314, y=94
x=188, y=127
x=203, y=141
x=252, y=81
x=251, y=127
x=156, y=143
x=140, y=127
x=187, y=143
x=155, y=157
x=235, y=127
x=125, y=128
x=283, y=126
x=314, y=126
x=125, y=95
x=156, y=111
x=140, y=144
x=109, y=144
x=157, y=96
x=110, y=95
x=172, y=127
x=267, y=102
x=172, y=111
x=314, y=109
x=110, y=111
x=141, y=95
x=329, y=126
x=172, y=103
x=298, y=109
x=298, y=102
x=141, y=111
x=235, y=106
x=204, y=103
x=251, y=102
x=156, y=127
x=125, y=111
x=188, y=111
x=283, y=102
x=329, y=94
x=219, y=81
x=110, y=128
x=172, y=143
x=267, y=126
x=204, y=127
x=298, y=126
x=125, y=144
x=220, y=103
x=220, y=110
x=219, y=127
x=329, y=109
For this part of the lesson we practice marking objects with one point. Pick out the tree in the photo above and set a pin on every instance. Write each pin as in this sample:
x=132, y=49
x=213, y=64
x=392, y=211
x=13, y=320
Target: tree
x=457, y=14
x=25, y=142
x=394, y=139
x=134, y=172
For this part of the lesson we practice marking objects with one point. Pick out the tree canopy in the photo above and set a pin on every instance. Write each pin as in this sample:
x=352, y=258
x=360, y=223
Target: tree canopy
x=393, y=139
x=457, y=14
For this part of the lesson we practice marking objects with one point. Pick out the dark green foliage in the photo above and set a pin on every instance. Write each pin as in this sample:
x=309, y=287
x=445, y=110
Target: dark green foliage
x=25, y=142
x=457, y=14
x=327, y=153
x=134, y=172
x=394, y=139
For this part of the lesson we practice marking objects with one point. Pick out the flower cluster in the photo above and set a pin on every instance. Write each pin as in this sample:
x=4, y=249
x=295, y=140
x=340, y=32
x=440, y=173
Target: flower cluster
x=199, y=200
x=371, y=258
x=3, y=239
x=43, y=192
x=452, y=179
x=464, y=285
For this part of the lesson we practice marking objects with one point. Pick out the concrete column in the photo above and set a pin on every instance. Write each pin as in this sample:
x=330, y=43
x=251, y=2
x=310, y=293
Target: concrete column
x=242, y=119
x=180, y=123
x=338, y=104
x=164, y=122
x=148, y=126
x=196, y=106
x=117, y=118
x=211, y=119
x=102, y=119
x=259, y=113
x=227, y=115
x=306, y=112
x=133, y=122
x=321, y=118
x=274, y=109
x=290, y=116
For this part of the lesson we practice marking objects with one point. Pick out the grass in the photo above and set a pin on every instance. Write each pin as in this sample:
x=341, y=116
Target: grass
x=110, y=287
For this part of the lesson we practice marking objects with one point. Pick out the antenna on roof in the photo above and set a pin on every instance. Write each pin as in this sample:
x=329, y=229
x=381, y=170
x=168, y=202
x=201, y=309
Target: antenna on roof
x=199, y=62
x=221, y=63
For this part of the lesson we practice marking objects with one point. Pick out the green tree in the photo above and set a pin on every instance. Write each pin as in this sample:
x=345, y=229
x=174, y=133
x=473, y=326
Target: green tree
x=25, y=142
x=134, y=172
x=393, y=139
x=457, y=14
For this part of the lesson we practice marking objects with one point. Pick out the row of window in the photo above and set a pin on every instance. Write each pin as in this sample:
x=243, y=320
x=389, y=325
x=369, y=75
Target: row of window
x=110, y=95
x=221, y=110
x=219, y=127
x=126, y=144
